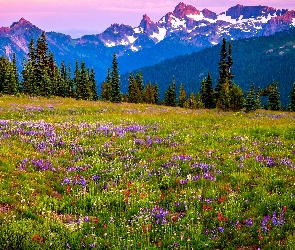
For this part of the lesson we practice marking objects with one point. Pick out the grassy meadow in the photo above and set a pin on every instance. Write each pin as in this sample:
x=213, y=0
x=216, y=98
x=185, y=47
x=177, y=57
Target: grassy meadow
x=95, y=175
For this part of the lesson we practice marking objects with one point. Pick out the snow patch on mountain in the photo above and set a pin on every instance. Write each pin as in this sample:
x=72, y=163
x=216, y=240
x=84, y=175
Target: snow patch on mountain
x=161, y=35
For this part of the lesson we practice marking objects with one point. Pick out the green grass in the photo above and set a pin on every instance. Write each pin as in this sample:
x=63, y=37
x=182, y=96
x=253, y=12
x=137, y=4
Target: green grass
x=99, y=175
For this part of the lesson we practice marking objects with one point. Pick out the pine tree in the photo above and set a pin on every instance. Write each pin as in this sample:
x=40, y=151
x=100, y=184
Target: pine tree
x=236, y=97
x=71, y=83
x=41, y=63
x=224, y=96
x=106, y=87
x=199, y=103
x=207, y=92
x=148, y=94
x=257, y=98
x=223, y=68
x=3, y=66
x=139, y=81
x=93, y=85
x=29, y=79
x=274, y=97
x=85, y=86
x=116, y=95
x=291, y=105
x=182, y=96
x=191, y=101
x=156, y=94
x=250, y=104
x=170, y=95
x=15, y=72
x=134, y=93
x=63, y=88
x=10, y=83
x=77, y=82
x=230, y=63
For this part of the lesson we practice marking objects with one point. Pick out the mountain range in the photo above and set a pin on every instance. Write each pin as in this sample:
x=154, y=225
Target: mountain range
x=182, y=31
x=259, y=60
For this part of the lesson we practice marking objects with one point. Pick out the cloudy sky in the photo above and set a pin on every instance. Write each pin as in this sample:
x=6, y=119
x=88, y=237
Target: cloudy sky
x=97, y=15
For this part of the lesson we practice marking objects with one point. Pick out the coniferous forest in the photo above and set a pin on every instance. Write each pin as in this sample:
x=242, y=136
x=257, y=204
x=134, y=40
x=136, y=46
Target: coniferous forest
x=41, y=76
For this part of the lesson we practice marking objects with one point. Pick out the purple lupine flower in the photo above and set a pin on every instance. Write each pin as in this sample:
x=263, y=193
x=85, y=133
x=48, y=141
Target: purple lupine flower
x=221, y=229
x=96, y=178
x=249, y=222
x=274, y=218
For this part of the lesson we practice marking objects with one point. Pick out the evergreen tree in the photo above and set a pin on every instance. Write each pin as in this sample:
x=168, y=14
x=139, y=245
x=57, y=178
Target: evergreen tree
x=77, y=82
x=156, y=94
x=93, y=85
x=191, y=102
x=223, y=68
x=134, y=93
x=139, y=81
x=46, y=83
x=29, y=79
x=207, y=92
x=41, y=63
x=10, y=83
x=199, y=103
x=224, y=96
x=182, y=96
x=148, y=94
x=3, y=66
x=70, y=83
x=236, y=97
x=63, y=88
x=291, y=106
x=116, y=95
x=274, y=97
x=85, y=86
x=15, y=72
x=250, y=104
x=230, y=63
x=257, y=98
x=106, y=87
x=170, y=95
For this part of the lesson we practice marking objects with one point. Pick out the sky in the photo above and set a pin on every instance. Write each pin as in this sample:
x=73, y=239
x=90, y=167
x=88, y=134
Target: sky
x=94, y=16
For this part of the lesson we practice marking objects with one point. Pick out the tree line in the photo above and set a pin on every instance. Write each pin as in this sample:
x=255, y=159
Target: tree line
x=41, y=76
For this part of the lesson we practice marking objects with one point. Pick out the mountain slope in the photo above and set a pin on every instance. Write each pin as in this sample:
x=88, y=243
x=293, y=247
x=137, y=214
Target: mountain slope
x=259, y=60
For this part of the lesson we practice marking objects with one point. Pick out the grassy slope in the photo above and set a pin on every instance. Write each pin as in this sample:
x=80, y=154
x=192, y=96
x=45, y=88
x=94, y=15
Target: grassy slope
x=203, y=174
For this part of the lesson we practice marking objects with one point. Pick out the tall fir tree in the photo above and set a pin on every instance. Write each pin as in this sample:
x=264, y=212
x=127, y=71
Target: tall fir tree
x=106, y=87
x=207, y=92
x=182, y=96
x=257, y=98
x=139, y=81
x=291, y=105
x=77, y=82
x=223, y=68
x=148, y=94
x=156, y=93
x=230, y=63
x=93, y=85
x=41, y=63
x=134, y=92
x=250, y=104
x=116, y=95
x=236, y=97
x=170, y=95
x=3, y=66
x=274, y=102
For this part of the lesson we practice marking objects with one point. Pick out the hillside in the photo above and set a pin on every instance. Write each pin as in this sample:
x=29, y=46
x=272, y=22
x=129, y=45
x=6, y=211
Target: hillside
x=96, y=175
x=258, y=60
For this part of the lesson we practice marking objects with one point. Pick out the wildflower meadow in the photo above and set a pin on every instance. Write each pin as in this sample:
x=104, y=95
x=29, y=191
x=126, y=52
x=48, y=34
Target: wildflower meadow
x=97, y=175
